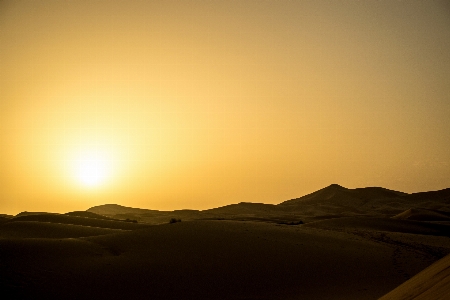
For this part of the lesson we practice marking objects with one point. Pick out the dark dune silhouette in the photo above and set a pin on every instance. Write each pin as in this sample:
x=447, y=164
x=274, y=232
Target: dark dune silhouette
x=5, y=216
x=330, y=202
x=203, y=260
x=113, y=209
x=87, y=214
x=382, y=224
x=29, y=213
x=342, y=196
x=370, y=201
x=93, y=222
x=356, y=244
x=419, y=214
x=3, y=219
x=33, y=229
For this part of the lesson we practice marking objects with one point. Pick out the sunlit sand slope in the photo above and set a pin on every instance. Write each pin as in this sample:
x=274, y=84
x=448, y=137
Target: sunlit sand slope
x=203, y=260
x=431, y=283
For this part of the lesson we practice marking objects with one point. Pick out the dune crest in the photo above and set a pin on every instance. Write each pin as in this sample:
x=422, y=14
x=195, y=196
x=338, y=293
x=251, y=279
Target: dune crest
x=420, y=214
x=330, y=202
x=431, y=283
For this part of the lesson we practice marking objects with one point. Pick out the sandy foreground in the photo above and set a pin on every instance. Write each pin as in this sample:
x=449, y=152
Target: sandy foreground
x=431, y=283
x=214, y=259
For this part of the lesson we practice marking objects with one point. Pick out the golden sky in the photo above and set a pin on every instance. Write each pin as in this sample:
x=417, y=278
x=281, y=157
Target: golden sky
x=197, y=104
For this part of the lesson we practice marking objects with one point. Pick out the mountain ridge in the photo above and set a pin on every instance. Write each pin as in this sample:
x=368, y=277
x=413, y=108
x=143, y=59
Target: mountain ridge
x=329, y=202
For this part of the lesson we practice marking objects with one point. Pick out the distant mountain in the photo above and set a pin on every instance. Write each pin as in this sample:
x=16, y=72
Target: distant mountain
x=87, y=214
x=333, y=201
x=338, y=195
x=145, y=215
x=246, y=208
x=29, y=213
x=442, y=195
x=374, y=201
x=113, y=209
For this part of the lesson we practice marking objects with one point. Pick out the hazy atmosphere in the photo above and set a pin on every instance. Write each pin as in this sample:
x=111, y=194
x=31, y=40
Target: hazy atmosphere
x=197, y=104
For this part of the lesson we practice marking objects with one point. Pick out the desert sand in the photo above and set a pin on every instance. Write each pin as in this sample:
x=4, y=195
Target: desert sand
x=431, y=283
x=347, y=249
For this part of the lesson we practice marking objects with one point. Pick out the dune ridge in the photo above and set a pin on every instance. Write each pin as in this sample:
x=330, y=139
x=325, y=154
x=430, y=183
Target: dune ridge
x=355, y=244
x=34, y=229
x=419, y=214
x=205, y=260
x=431, y=283
x=330, y=202
x=83, y=221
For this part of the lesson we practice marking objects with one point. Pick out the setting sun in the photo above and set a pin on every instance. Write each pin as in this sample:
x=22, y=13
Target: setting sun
x=91, y=169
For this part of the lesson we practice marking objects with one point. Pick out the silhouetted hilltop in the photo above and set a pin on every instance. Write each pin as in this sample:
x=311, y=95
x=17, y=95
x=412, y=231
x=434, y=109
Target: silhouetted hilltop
x=245, y=208
x=442, y=195
x=29, y=213
x=339, y=195
x=88, y=214
x=113, y=209
x=145, y=215
x=332, y=201
x=374, y=201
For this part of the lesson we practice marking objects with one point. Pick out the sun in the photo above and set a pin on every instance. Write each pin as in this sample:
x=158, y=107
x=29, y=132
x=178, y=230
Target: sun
x=92, y=168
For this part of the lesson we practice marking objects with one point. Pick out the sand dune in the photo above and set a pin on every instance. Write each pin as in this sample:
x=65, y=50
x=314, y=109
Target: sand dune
x=419, y=214
x=339, y=195
x=370, y=201
x=5, y=216
x=431, y=283
x=382, y=224
x=3, y=219
x=32, y=229
x=330, y=202
x=246, y=208
x=87, y=214
x=203, y=260
x=29, y=213
x=63, y=219
x=112, y=209
x=357, y=244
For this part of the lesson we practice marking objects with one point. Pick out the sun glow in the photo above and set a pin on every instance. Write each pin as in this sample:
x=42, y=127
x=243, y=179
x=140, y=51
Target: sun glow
x=92, y=168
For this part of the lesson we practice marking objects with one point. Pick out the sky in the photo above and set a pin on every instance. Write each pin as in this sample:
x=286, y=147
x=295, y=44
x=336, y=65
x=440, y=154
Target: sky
x=199, y=104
